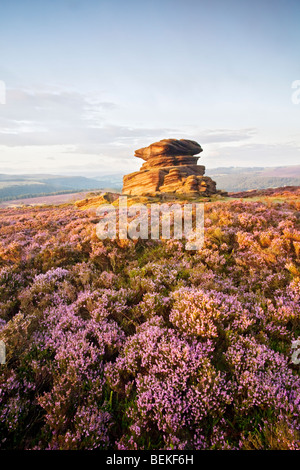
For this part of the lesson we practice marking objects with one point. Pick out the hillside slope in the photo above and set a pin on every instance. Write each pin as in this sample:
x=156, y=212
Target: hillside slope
x=142, y=344
x=245, y=179
x=23, y=186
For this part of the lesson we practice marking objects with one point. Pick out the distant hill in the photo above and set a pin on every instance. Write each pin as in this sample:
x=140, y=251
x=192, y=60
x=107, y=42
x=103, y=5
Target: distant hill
x=26, y=186
x=286, y=191
x=234, y=179
x=113, y=181
x=231, y=179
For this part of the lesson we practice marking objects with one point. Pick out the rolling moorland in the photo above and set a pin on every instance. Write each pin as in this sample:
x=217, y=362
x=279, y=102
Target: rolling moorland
x=142, y=344
x=245, y=179
x=27, y=186
x=228, y=179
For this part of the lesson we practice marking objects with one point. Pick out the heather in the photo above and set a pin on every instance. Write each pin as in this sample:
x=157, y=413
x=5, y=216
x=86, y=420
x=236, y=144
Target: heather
x=122, y=344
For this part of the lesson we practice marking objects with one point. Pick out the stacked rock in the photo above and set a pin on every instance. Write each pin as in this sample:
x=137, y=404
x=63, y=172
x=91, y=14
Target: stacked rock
x=170, y=167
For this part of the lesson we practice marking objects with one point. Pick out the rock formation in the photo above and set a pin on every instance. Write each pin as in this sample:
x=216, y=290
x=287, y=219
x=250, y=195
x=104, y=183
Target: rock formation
x=170, y=167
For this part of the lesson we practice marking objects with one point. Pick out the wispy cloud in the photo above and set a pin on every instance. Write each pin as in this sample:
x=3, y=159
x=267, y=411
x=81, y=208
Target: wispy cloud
x=226, y=135
x=65, y=118
x=254, y=154
x=65, y=131
x=36, y=117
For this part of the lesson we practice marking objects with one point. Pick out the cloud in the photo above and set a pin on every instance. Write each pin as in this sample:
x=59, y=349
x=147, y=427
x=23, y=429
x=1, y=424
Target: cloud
x=67, y=118
x=36, y=118
x=64, y=130
x=73, y=118
x=254, y=154
x=224, y=135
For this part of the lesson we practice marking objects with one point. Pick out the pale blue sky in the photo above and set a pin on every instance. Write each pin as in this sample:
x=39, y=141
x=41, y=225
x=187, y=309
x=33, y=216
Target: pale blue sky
x=90, y=81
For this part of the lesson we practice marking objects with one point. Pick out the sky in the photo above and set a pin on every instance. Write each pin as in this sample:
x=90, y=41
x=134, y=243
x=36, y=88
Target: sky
x=84, y=83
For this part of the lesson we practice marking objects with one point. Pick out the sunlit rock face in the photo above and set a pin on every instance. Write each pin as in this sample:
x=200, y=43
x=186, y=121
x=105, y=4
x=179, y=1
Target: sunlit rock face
x=170, y=167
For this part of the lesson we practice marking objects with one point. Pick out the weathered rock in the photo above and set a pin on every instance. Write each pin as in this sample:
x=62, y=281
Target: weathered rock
x=168, y=147
x=170, y=160
x=170, y=167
